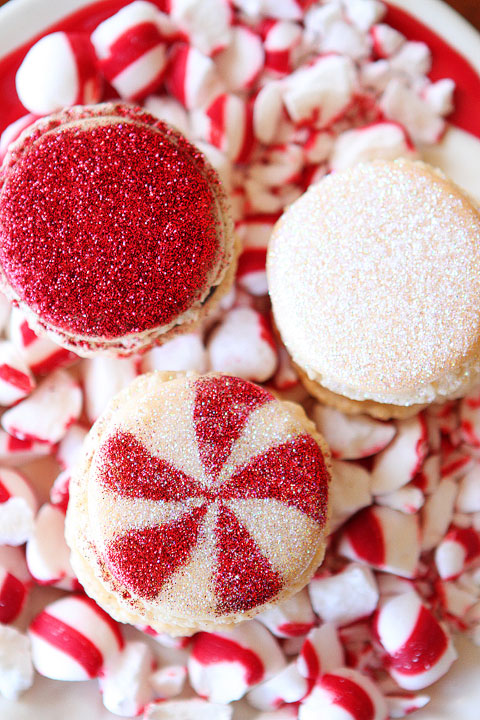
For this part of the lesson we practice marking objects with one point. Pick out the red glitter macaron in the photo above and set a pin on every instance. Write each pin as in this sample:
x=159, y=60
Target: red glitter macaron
x=114, y=230
x=199, y=502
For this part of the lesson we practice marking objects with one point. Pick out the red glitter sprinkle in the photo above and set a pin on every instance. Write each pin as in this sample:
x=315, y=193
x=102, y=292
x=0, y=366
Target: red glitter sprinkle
x=109, y=230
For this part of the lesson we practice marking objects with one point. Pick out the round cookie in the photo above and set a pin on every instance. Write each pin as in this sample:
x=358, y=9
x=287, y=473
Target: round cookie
x=199, y=502
x=114, y=230
x=374, y=279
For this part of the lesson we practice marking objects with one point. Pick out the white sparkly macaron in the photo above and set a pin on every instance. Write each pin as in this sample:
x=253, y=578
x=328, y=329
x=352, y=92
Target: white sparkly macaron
x=373, y=275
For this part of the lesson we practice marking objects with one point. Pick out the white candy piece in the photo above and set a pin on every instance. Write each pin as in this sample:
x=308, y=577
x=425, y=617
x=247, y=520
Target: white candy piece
x=219, y=161
x=242, y=61
x=389, y=585
x=58, y=71
x=288, y=686
x=468, y=498
x=188, y=710
x=408, y=499
x=401, y=705
x=72, y=639
x=458, y=548
x=455, y=465
x=16, y=670
x=281, y=40
x=47, y=413
x=168, y=681
x=243, y=345
x=16, y=380
x=321, y=652
x=437, y=513
x=227, y=124
x=439, y=95
x=48, y=556
x=413, y=59
x=287, y=712
x=324, y=89
x=124, y=682
x=470, y=418
x=131, y=50
x=292, y=618
x=40, y=353
x=384, y=539
x=318, y=146
x=267, y=112
x=346, y=40
x=13, y=131
x=318, y=20
x=252, y=656
x=286, y=377
x=375, y=75
x=281, y=165
x=429, y=476
x=402, y=459
x=207, y=24
x=386, y=40
x=364, y=13
x=70, y=446
x=345, y=597
x=352, y=437
x=349, y=492
x=192, y=78
x=59, y=492
x=18, y=506
x=254, y=233
x=401, y=104
x=183, y=353
x=344, y=695
x=455, y=601
x=103, y=377
x=381, y=141
x=13, y=593
x=170, y=111
x=419, y=648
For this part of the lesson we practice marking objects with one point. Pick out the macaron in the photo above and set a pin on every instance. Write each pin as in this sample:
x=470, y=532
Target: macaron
x=199, y=501
x=375, y=285
x=114, y=230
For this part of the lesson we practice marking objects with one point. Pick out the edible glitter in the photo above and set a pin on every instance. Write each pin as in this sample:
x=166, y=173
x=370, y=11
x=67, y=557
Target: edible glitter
x=109, y=228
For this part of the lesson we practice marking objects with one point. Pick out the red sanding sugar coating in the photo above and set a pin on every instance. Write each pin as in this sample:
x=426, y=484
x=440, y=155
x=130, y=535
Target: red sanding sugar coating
x=124, y=228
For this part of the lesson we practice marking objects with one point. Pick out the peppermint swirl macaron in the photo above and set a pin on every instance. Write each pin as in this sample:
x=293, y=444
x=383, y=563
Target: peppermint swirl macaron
x=114, y=230
x=374, y=279
x=199, y=502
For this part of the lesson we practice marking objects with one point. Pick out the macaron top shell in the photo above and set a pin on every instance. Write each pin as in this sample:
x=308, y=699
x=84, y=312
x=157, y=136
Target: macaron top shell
x=111, y=222
x=200, y=501
x=375, y=283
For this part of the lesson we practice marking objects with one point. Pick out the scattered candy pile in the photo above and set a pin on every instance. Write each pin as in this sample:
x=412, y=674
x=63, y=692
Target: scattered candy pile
x=277, y=93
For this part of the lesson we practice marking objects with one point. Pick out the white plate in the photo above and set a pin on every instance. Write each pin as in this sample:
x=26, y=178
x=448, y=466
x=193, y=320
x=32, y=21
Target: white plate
x=457, y=696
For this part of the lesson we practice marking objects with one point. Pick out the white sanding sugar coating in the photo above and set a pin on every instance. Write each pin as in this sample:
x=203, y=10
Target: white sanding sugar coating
x=375, y=284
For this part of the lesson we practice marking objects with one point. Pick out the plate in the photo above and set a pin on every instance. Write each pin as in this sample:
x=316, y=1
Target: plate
x=455, y=45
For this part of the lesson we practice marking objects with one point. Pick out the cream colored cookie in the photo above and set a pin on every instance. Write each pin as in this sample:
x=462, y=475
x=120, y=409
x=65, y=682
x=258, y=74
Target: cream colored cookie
x=375, y=285
x=199, y=502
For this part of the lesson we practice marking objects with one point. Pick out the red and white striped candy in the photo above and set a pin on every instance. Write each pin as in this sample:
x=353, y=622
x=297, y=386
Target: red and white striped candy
x=455, y=602
x=470, y=418
x=254, y=233
x=321, y=652
x=219, y=161
x=345, y=597
x=352, y=437
x=468, y=498
x=207, y=24
x=15, y=452
x=318, y=146
x=18, y=506
x=322, y=91
x=408, y=499
x=224, y=665
x=165, y=640
x=73, y=638
x=48, y=412
x=459, y=547
x=344, y=694
x=48, y=556
x=380, y=141
x=124, y=682
x=16, y=380
x=456, y=464
x=170, y=111
x=281, y=40
x=103, y=377
x=13, y=131
x=401, y=104
x=243, y=345
x=16, y=670
x=287, y=686
x=292, y=618
x=13, y=593
x=286, y=377
x=192, y=77
x=402, y=459
x=242, y=61
x=437, y=513
x=384, y=539
x=60, y=490
x=131, y=50
x=168, y=681
x=183, y=353
x=279, y=166
x=58, y=71
x=70, y=446
x=419, y=649
x=267, y=112
x=226, y=123
x=193, y=709
x=349, y=492
x=40, y=353
x=429, y=476
x=386, y=40
x=12, y=559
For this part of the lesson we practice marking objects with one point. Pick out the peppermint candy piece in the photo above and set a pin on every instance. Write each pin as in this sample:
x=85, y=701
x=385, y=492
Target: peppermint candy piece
x=18, y=506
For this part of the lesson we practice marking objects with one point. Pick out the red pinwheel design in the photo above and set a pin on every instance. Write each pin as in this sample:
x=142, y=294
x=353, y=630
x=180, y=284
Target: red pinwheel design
x=255, y=480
